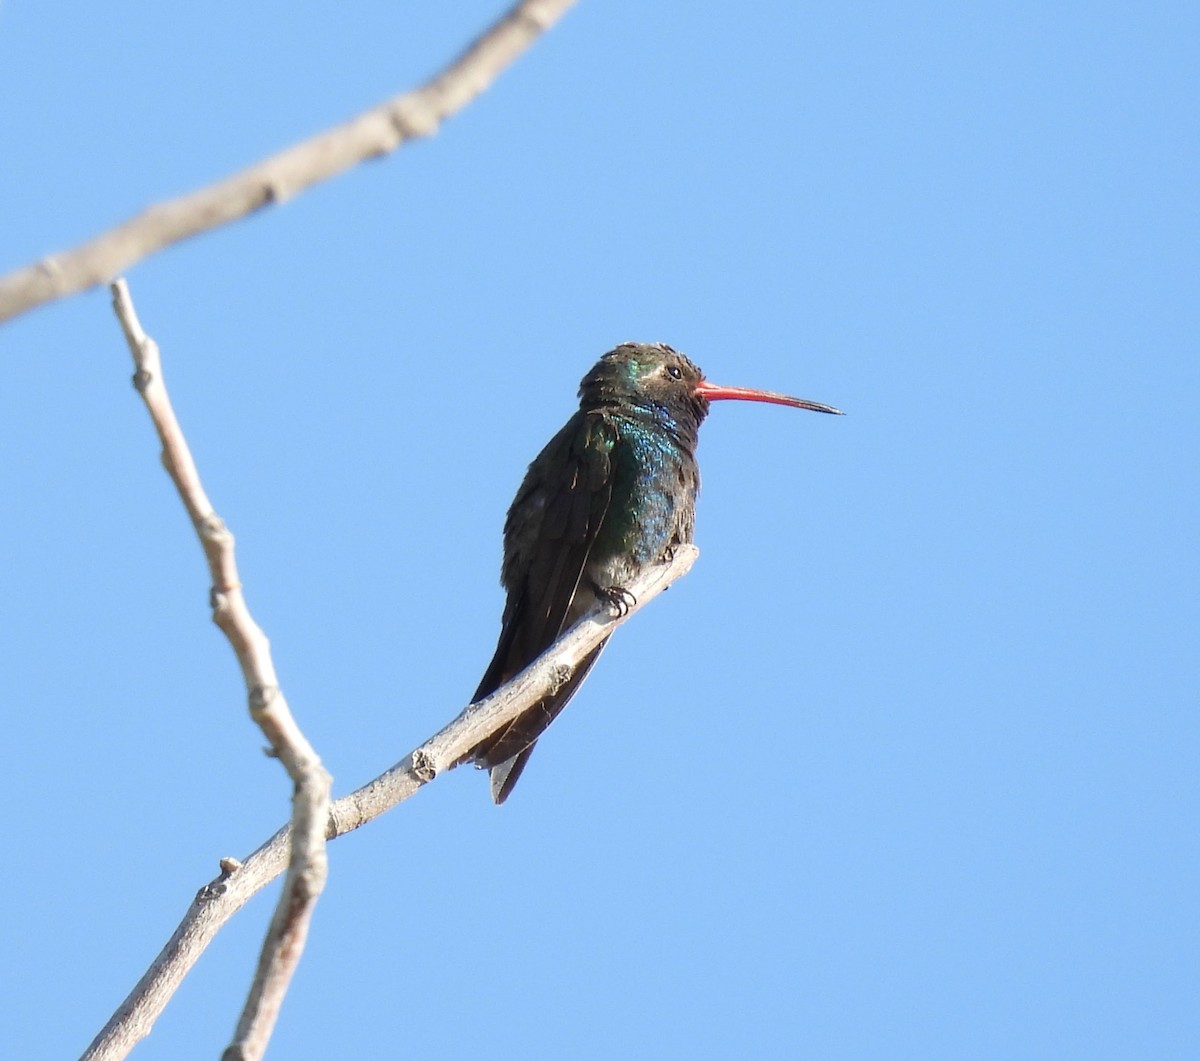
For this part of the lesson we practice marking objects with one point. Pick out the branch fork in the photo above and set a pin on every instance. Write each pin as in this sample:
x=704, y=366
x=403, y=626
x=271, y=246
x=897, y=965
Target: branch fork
x=307, y=864
x=299, y=848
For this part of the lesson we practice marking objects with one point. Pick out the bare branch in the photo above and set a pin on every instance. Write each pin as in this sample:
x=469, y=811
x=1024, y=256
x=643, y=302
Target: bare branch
x=369, y=135
x=308, y=865
x=223, y=897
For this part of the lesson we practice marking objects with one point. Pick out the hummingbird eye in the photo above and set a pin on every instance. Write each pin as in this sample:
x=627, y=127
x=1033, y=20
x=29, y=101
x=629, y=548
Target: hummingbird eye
x=674, y=371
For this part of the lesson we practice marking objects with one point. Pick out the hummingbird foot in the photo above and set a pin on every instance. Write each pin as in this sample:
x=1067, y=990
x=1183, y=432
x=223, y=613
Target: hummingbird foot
x=619, y=599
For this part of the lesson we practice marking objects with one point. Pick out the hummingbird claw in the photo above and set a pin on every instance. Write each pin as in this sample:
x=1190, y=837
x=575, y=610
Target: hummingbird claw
x=618, y=598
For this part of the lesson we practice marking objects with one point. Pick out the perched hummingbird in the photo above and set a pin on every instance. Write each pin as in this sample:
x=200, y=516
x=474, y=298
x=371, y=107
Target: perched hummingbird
x=613, y=491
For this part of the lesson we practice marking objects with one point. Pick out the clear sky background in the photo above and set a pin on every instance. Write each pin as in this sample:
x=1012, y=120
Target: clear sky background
x=907, y=765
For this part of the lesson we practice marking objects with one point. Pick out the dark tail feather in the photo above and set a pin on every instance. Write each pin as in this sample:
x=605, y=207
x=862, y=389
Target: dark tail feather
x=506, y=752
x=505, y=775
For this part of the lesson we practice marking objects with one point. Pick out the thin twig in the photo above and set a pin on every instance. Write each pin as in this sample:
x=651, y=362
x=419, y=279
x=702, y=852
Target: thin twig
x=237, y=882
x=308, y=864
x=371, y=134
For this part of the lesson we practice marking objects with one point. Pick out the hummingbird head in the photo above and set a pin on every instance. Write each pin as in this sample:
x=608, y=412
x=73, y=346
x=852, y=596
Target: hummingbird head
x=647, y=376
x=660, y=380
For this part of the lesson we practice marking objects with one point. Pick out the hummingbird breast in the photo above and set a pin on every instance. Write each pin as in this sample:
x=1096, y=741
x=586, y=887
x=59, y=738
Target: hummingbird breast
x=653, y=504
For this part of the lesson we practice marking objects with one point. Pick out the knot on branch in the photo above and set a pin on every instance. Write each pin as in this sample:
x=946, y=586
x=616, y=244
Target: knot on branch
x=532, y=21
x=411, y=121
x=218, y=600
x=214, y=889
x=559, y=676
x=212, y=529
x=51, y=268
x=261, y=697
x=422, y=766
x=141, y=380
x=310, y=881
x=275, y=189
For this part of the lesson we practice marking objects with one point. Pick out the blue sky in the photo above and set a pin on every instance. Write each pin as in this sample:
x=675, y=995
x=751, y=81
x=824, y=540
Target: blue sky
x=906, y=766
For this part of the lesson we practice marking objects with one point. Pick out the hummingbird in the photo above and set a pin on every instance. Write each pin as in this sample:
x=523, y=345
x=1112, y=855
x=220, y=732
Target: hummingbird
x=613, y=492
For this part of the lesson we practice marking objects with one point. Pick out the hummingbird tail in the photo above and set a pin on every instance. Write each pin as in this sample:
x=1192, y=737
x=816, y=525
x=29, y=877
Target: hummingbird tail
x=506, y=752
x=505, y=775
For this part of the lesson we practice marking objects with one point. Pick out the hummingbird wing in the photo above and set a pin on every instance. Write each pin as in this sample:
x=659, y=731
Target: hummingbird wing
x=548, y=540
